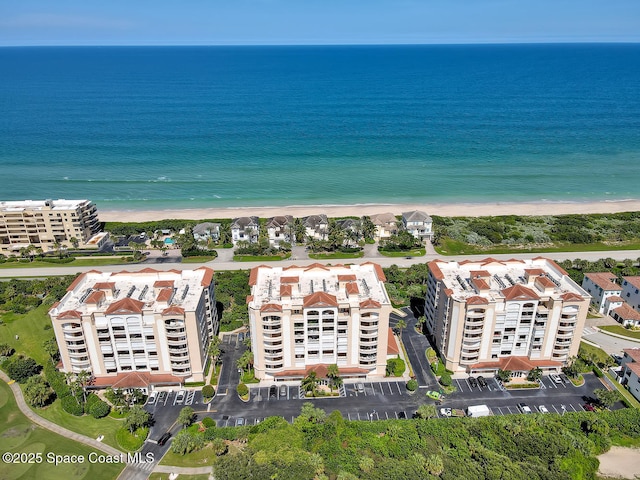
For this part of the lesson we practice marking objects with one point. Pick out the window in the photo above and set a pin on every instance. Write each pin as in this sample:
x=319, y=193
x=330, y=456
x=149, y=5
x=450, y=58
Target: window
x=495, y=355
x=522, y=337
x=518, y=345
x=505, y=352
x=497, y=340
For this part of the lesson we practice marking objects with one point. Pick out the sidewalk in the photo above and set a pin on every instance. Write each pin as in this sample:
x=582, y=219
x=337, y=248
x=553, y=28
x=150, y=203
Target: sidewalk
x=184, y=470
x=53, y=427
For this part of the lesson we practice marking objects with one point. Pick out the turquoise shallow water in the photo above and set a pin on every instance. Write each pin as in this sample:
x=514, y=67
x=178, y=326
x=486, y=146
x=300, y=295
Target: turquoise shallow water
x=190, y=127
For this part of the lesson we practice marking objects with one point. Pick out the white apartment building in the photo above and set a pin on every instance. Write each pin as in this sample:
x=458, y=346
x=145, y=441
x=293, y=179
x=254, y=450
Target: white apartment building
x=631, y=292
x=601, y=286
x=306, y=318
x=513, y=315
x=46, y=223
x=150, y=326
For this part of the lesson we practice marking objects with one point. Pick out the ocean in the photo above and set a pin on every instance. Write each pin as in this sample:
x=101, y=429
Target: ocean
x=193, y=127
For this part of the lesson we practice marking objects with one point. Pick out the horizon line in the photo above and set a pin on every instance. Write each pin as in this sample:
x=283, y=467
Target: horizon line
x=487, y=43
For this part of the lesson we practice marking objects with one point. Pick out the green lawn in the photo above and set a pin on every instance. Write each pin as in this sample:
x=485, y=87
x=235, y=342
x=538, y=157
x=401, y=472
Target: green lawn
x=86, y=425
x=335, y=255
x=81, y=262
x=416, y=252
x=597, y=353
x=19, y=435
x=30, y=330
x=259, y=258
x=449, y=246
x=131, y=442
x=199, y=259
x=620, y=330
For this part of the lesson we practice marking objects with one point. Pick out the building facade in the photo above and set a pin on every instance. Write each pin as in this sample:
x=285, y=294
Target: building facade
x=601, y=286
x=279, y=229
x=630, y=376
x=418, y=224
x=386, y=225
x=512, y=315
x=46, y=224
x=631, y=292
x=245, y=229
x=304, y=318
x=152, y=323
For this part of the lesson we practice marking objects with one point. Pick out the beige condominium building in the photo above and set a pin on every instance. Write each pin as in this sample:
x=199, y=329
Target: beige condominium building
x=512, y=315
x=306, y=318
x=45, y=224
x=137, y=329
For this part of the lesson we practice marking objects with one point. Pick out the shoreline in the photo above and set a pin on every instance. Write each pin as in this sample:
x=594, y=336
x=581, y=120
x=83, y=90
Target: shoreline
x=358, y=210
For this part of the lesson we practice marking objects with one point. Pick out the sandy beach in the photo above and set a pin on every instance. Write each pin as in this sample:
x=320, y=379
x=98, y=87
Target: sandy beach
x=447, y=210
x=620, y=462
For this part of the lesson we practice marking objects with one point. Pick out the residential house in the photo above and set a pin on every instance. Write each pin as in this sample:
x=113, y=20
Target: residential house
x=601, y=285
x=386, y=225
x=279, y=229
x=631, y=291
x=352, y=230
x=418, y=224
x=245, y=229
x=203, y=232
x=317, y=226
x=626, y=315
x=631, y=371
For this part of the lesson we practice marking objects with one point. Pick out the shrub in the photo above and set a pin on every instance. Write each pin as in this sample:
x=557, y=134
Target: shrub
x=56, y=380
x=92, y=399
x=395, y=367
x=208, y=422
x=99, y=409
x=445, y=379
x=21, y=368
x=210, y=434
x=412, y=385
x=6, y=350
x=242, y=389
x=71, y=405
x=208, y=391
x=219, y=447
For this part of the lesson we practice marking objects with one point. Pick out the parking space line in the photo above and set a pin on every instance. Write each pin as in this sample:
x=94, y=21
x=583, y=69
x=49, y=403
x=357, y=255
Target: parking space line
x=349, y=416
x=396, y=414
x=358, y=415
x=398, y=386
x=381, y=389
x=574, y=408
x=386, y=415
x=372, y=387
x=390, y=391
x=554, y=407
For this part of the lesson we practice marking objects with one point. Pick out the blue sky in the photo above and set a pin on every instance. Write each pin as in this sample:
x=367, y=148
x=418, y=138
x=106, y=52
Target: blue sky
x=260, y=22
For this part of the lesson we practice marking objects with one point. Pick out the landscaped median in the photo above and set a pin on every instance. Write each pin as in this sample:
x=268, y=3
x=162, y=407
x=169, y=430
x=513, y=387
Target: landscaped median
x=621, y=331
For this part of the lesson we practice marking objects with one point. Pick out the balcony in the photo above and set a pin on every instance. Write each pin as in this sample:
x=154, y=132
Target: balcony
x=367, y=334
x=178, y=350
x=368, y=341
x=72, y=328
x=466, y=344
x=272, y=331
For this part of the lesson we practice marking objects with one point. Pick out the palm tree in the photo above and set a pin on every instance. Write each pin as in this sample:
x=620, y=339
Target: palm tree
x=333, y=374
x=245, y=361
x=310, y=382
x=401, y=324
x=83, y=378
x=75, y=242
x=214, y=348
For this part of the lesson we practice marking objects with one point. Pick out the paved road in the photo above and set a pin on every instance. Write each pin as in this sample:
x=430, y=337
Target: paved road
x=610, y=344
x=228, y=265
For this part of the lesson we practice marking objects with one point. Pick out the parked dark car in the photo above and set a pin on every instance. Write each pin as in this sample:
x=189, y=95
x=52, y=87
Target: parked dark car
x=273, y=391
x=164, y=438
x=473, y=382
x=482, y=381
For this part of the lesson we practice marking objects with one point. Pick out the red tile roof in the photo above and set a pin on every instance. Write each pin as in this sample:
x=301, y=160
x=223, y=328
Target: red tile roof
x=435, y=270
x=634, y=353
x=545, y=282
x=105, y=285
x=126, y=305
x=253, y=276
x=379, y=271
x=479, y=274
x=615, y=298
x=285, y=290
x=95, y=297
x=347, y=278
x=271, y=307
x=392, y=345
x=249, y=298
x=534, y=271
x=476, y=300
x=604, y=280
x=316, y=265
x=572, y=297
x=136, y=380
x=164, y=295
x=163, y=283
x=515, y=364
x=352, y=288
x=369, y=303
x=69, y=314
x=635, y=281
x=207, y=277
x=320, y=299
x=490, y=260
x=289, y=279
x=480, y=284
x=173, y=310
x=75, y=283
x=519, y=292
x=625, y=312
